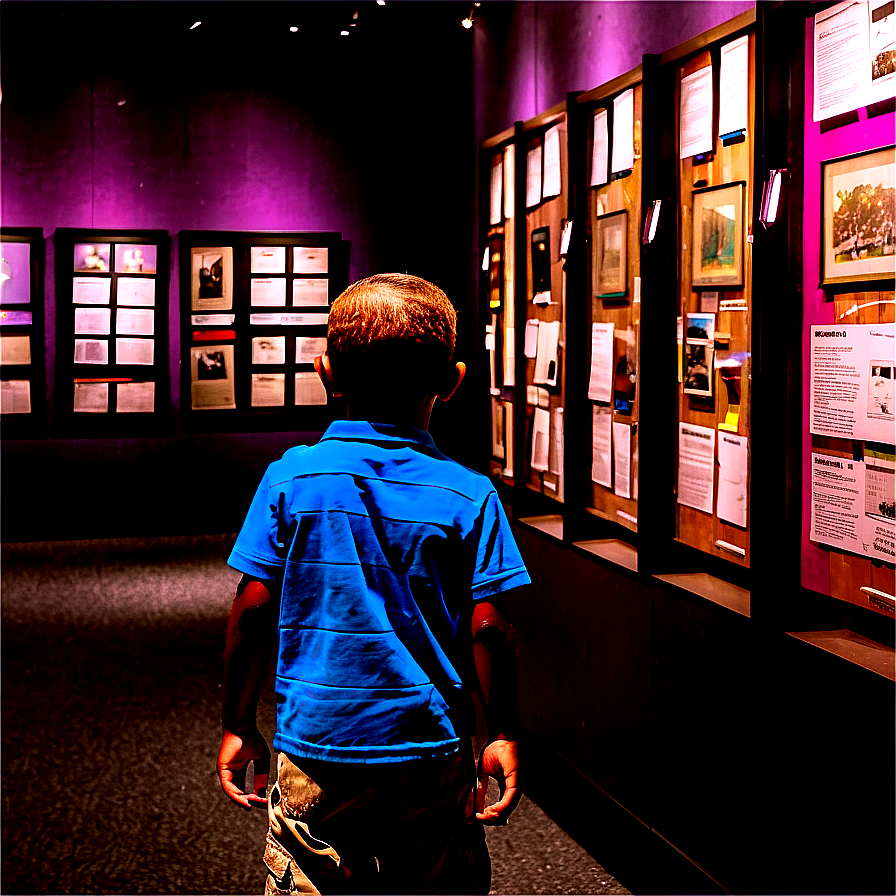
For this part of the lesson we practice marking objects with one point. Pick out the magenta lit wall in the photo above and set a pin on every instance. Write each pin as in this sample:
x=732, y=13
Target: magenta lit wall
x=547, y=50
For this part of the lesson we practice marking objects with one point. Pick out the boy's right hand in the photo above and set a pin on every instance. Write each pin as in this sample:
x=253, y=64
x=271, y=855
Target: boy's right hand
x=499, y=760
x=237, y=750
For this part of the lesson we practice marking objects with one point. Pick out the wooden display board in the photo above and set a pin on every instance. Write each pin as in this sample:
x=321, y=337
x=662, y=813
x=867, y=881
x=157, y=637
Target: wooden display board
x=613, y=124
x=254, y=308
x=498, y=295
x=715, y=196
x=546, y=200
x=112, y=373
x=848, y=319
x=23, y=380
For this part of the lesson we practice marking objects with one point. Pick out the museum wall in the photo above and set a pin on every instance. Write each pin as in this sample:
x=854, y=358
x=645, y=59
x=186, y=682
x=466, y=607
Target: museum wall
x=238, y=124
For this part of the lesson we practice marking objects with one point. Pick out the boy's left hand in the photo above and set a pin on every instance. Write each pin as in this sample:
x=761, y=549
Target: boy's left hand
x=499, y=760
x=237, y=750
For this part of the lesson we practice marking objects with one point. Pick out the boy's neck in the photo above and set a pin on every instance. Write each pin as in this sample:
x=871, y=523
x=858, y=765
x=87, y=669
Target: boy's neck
x=417, y=417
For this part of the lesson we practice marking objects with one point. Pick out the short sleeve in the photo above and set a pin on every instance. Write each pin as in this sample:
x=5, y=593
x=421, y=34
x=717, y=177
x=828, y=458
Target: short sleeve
x=499, y=565
x=260, y=549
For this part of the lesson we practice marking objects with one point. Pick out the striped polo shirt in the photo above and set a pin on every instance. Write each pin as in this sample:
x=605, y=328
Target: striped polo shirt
x=383, y=545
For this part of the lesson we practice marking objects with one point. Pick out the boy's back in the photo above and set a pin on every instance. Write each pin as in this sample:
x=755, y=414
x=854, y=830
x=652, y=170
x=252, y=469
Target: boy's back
x=381, y=542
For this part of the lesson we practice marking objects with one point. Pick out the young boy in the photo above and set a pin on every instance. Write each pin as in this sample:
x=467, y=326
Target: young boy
x=377, y=565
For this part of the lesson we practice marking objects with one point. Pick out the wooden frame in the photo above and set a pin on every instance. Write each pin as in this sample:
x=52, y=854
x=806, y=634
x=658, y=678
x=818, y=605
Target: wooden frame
x=849, y=254
x=717, y=239
x=611, y=255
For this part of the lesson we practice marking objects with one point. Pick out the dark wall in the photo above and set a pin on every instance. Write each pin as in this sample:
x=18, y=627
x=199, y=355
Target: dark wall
x=121, y=116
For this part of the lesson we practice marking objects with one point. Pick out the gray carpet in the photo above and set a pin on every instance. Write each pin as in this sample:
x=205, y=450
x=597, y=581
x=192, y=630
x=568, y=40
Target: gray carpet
x=111, y=660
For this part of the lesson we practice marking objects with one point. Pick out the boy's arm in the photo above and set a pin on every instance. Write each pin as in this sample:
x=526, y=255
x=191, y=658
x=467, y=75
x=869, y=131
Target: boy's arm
x=495, y=657
x=251, y=635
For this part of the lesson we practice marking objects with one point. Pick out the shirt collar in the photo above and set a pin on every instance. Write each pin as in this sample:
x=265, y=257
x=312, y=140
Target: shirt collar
x=364, y=431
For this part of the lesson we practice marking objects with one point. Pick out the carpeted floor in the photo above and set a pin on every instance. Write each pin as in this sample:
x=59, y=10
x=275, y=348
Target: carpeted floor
x=111, y=659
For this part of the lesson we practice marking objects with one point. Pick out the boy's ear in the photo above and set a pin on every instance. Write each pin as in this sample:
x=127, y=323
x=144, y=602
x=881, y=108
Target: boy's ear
x=452, y=381
x=325, y=372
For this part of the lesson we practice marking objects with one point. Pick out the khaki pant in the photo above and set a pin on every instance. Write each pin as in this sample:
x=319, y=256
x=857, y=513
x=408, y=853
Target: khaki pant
x=339, y=827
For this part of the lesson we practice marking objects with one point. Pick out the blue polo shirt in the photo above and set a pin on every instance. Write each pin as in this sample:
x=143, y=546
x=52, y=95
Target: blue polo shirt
x=383, y=544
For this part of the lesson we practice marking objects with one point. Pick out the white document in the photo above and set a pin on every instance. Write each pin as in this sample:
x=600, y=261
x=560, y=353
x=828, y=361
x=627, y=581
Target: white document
x=623, y=132
x=541, y=439
x=496, y=193
x=267, y=291
x=530, y=346
x=546, y=353
x=135, y=321
x=15, y=396
x=509, y=174
x=879, y=527
x=212, y=377
x=136, y=291
x=622, y=459
x=310, y=259
x=15, y=349
x=695, y=111
x=212, y=320
x=268, y=259
x=268, y=349
x=268, y=390
x=497, y=428
x=852, y=386
x=600, y=159
x=842, y=63
x=309, y=347
x=134, y=351
x=91, y=398
x=533, y=177
x=309, y=389
x=734, y=86
x=93, y=321
x=732, y=498
x=603, y=358
x=838, y=494
x=91, y=351
x=696, y=456
x=881, y=40
x=135, y=398
x=551, y=185
x=601, y=446
x=290, y=319
x=508, y=438
x=91, y=290
x=314, y=291
x=555, y=459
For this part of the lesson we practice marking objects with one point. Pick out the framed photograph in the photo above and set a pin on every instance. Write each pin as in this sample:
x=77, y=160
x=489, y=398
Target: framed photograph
x=134, y=259
x=211, y=280
x=717, y=237
x=611, y=255
x=698, y=369
x=858, y=205
x=93, y=257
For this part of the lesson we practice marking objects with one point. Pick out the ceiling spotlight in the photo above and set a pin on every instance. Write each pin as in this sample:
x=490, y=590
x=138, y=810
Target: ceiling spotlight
x=195, y=25
x=380, y=2
x=467, y=22
x=344, y=33
x=293, y=28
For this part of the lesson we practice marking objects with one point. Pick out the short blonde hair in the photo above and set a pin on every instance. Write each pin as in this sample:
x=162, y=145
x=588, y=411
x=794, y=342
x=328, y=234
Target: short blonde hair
x=387, y=320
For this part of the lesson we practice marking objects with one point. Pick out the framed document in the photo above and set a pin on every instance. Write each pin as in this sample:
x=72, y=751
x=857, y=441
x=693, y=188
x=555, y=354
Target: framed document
x=611, y=255
x=717, y=236
x=859, y=206
x=211, y=281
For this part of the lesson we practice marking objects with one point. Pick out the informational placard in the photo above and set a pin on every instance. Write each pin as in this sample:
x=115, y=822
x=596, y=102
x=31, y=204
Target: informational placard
x=552, y=183
x=732, y=497
x=623, y=132
x=852, y=391
x=600, y=383
x=533, y=176
x=696, y=466
x=600, y=149
x=695, y=113
x=734, y=84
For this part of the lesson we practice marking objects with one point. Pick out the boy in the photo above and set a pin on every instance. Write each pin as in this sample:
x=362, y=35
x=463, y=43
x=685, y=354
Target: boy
x=380, y=563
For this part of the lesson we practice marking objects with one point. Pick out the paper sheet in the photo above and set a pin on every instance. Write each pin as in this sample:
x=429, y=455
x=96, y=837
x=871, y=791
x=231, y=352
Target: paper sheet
x=268, y=259
x=268, y=349
x=842, y=64
x=135, y=321
x=622, y=459
x=496, y=193
x=135, y=398
x=136, y=291
x=268, y=390
x=734, y=86
x=541, y=439
x=310, y=259
x=309, y=389
x=91, y=351
x=509, y=175
x=91, y=290
x=533, y=177
x=551, y=185
x=93, y=321
x=212, y=377
x=696, y=455
x=310, y=292
x=15, y=348
x=15, y=396
x=91, y=398
x=732, y=497
x=267, y=292
x=601, y=446
x=16, y=289
x=134, y=351
x=508, y=438
x=309, y=347
x=555, y=459
x=696, y=113
x=603, y=358
x=600, y=149
x=623, y=132
x=530, y=346
x=546, y=353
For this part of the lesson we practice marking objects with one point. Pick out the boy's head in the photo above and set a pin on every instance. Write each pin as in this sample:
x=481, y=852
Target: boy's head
x=390, y=341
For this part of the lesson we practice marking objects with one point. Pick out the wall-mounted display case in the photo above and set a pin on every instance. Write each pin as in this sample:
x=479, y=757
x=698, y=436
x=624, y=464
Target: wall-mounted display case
x=22, y=363
x=112, y=360
x=254, y=309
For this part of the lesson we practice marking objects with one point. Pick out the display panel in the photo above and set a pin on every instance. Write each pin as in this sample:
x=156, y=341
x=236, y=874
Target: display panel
x=112, y=303
x=715, y=96
x=254, y=310
x=22, y=377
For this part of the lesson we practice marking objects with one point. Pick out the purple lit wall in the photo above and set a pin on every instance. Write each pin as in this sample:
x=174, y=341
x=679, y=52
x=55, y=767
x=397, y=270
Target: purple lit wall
x=547, y=50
